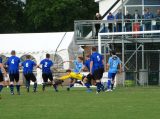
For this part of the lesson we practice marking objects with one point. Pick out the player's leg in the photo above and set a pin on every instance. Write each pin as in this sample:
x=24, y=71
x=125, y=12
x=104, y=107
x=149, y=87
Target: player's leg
x=50, y=76
x=97, y=76
x=1, y=82
x=113, y=80
x=100, y=77
x=27, y=81
x=71, y=83
x=33, y=78
x=11, y=86
x=45, y=80
x=109, y=81
x=16, y=76
x=87, y=82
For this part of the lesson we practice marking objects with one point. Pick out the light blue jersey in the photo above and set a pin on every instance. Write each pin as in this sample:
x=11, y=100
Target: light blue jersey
x=77, y=66
x=113, y=62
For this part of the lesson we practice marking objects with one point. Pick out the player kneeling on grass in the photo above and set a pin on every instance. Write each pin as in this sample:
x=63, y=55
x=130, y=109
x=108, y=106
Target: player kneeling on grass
x=28, y=65
x=112, y=65
x=76, y=76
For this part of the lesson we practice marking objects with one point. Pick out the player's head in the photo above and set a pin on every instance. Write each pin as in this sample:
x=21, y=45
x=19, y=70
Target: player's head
x=113, y=52
x=47, y=55
x=87, y=56
x=94, y=49
x=28, y=56
x=68, y=71
x=80, y=58
x=13, y=52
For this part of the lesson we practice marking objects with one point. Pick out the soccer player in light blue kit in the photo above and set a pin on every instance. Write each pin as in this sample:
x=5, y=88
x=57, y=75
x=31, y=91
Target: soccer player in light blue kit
x=28, y=65
x=13, y=69
x=46, y=72
x=97, y=68
x=113, y=64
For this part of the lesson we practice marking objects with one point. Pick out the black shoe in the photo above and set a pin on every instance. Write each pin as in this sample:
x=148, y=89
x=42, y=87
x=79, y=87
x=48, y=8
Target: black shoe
x=34, y=90
x=68, y=89
x=56, y=90
x=43, y=88
x=27, y=89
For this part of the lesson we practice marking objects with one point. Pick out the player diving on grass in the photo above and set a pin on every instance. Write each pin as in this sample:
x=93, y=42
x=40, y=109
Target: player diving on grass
x=75, y=76
x=78, y=65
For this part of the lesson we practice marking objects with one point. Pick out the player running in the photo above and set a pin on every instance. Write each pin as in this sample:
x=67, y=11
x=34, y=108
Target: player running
x=28, y=65
x=46, y=72
x=13, y=70
x=97, y=68
x=112, y=65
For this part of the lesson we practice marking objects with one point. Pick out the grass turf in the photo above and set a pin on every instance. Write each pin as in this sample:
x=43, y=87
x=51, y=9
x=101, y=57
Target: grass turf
x=123, y=103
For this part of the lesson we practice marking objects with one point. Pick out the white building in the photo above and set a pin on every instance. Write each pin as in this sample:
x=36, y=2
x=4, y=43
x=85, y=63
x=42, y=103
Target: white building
x=38, y=44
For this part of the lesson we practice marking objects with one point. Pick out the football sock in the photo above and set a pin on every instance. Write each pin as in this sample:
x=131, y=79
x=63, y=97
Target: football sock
x=11, y=88
x=34, y=87
x=109, y=84
x=18, y=88
x=87, y=85
x=112, y=86
x=71, y=85
x=55, y=87
x=1, y=87
x=98, y=86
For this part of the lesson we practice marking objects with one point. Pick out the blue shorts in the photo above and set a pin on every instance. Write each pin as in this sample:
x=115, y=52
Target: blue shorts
x=111, y=75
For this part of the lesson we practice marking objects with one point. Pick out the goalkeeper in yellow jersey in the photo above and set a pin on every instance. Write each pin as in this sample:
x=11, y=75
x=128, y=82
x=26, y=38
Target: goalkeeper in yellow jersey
x=75, y=77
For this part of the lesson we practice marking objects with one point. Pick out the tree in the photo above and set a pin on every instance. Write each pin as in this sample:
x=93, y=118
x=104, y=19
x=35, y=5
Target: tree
x=11, y=14
x=57, y=15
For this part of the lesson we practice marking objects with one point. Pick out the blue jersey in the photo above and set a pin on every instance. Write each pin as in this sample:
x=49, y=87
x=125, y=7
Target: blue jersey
x=13, y=64
x=46, y=65
x=87, y=64
x=97, y=61
x=113, y=64
x=77, y=66
x=28, y=66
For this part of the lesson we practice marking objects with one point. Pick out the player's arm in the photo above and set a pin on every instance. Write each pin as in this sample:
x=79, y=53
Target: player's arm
x=91, y=66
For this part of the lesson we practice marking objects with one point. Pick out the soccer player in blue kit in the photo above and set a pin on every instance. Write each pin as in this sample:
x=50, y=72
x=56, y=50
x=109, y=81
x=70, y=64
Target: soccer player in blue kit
x=97, y=68
x=113, y=64
x=28, y=65
x=46, y=72
x=13, y=70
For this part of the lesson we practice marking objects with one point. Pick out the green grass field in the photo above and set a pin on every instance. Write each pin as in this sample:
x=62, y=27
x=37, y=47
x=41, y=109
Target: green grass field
x=123, y=103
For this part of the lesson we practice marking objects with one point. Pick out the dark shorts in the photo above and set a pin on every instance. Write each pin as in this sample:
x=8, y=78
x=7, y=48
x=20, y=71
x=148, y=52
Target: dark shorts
x=1, y=77
x=14, y=77
x=111, y=75
x=98, y=73
x=47, y=76
x=30, y=77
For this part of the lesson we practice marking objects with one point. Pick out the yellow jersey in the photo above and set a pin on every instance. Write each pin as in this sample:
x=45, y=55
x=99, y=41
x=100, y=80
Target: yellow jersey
x=72, y=75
